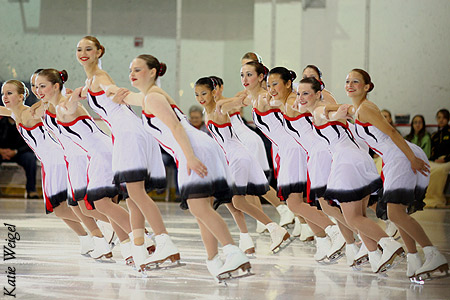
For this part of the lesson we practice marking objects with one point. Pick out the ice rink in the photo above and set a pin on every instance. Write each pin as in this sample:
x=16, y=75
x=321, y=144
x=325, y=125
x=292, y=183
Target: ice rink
x=48, y=265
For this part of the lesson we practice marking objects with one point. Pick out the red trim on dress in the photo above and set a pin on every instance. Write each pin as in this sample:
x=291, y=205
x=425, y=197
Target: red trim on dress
x=362, y=124
x=31, y=128
x=224, y=125
x=297, y=117
x=50, y=114
x=74, y=121
x=266, y=112
x=148, y=115
x=233, y=114
x=96, y=93
x=330, y=124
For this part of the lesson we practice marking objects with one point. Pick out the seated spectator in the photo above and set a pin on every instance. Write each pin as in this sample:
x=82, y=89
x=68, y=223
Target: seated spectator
x=196, y=118
x=388, y=116
x=439, y=161
x=418, y=134
x=14, y=149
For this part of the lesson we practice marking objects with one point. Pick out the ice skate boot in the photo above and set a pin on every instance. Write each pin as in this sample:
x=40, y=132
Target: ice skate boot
x=125, y=249
x=140, y=254
x=323, y=245
x=337, y=243
x=391, y=250
x=414, y=262
x=391, y=230
x=374, y=260
x=235, y=260
x=101, y=248
x=361, y=258
x=260, y=227
x=297, y=228
x=86, y=244
x=350, y=252
x=246, y=244
x=214, y=266
x=286, y=215
x=434, y=261
x=278, y=235
x=307, y=235
x=165, y=249
x=107, y=230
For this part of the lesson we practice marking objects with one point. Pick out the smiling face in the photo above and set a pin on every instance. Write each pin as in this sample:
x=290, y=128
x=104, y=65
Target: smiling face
x=306, y=96
x=203, y=95
x=355, y=86
x=45, y=90
x=250, y=78
x=10, y=96
x=277, y=88
x=87, y=52
x=140, y=74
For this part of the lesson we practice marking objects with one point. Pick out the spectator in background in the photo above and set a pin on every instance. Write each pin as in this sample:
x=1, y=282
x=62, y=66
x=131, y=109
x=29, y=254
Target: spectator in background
x=418, y=134
x=388, y=116
x=196, y=118
x=439, y=161
x=440, y=140
x=14, y=149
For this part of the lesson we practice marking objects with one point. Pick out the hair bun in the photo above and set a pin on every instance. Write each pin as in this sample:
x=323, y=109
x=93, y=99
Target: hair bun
x=293, y=75
x=64, y=76
x=162, y=69
x=371, y=86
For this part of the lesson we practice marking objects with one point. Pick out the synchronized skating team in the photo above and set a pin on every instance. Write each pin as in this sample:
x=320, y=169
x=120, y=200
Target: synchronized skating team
x=324, y=172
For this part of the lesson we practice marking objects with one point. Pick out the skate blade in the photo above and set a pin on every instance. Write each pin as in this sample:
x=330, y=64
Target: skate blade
x=443, y=269
x=336, y=256
x=87, y=254
x=105, y=260
x=227, y=277
x=164, y=266
x=284, y=243
x=361, y=261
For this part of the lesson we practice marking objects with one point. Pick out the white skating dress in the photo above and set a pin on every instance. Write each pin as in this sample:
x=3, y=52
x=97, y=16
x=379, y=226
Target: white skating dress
x=251, y=140
x=85, y=134
x=353, y=174
x=301, y=128
x=136, y=154
x=76, y=162
x=400, y=184
x=249, y=178
x=217, y=183
x=292, y=175
x=53, y=167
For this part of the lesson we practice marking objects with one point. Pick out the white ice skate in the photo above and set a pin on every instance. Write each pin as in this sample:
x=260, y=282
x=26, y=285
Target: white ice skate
x=125, y=249
x=374, y=260
x=351, y=250
x=165, y=250
x=107, y=230
x=140, y=254
x=102, y=248
x=260, y=227
x=434, y=261
x=307, y=234
x=246, y=243
x=86, y=244
x=391, y=230
x=286, y=215
x=323, y=245
x=414, y=262
x=235, y=260
x=297, y=228
x=214, y=266
x=337, y=243
x=278, y=235
x=391, y=250
x=362, y=257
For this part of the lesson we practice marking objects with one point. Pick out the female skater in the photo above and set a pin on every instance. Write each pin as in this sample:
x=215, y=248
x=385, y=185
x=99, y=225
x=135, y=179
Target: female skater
x=136, y=159
x=353, y=175
x=54, y=183
x=291, y=176
x=75, y=124
x=249, y=178
x=198, y=182
x=254, y=142
x=405, y=170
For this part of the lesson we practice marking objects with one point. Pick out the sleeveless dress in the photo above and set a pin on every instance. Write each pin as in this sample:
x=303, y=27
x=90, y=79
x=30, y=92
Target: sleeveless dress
x=400, y=184
x=136, y=154
x=85, y=134
x=53, y=168
x=76, y=162
x=292, y=176
x=301, y=128
x=353, y=174
x=249, y=178
x=218, y=181
x=251, y=140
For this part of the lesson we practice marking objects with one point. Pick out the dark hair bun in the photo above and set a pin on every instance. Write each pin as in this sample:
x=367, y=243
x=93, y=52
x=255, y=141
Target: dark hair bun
x=103, y=51
x=371, y=86
x=162, y=69
x=293, y=75
x=64, y=76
